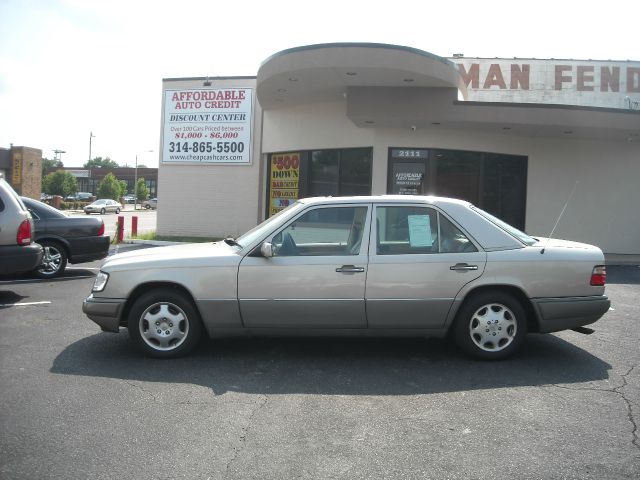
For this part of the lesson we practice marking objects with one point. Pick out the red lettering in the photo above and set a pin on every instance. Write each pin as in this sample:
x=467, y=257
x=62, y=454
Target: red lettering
x=520, y=76
x=560, y=78
x=609, y=79
x=585, y=75
x=472, y=76
x=633, y=80
x=494, y=77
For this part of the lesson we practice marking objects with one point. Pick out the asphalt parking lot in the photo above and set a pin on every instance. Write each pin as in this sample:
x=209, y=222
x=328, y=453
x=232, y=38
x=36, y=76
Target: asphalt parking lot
x=78, y=403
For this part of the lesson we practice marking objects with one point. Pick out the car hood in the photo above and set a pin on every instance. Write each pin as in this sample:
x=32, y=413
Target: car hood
x=191, y=255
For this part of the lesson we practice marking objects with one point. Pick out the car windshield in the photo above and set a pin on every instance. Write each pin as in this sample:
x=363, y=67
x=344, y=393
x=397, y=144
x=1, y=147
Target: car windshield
x=262, y=229
x=513, y=231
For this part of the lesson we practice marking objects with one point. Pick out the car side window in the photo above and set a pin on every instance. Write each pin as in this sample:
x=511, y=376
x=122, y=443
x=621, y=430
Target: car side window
x=452, y=240
x=406, y=230
x=334, y=231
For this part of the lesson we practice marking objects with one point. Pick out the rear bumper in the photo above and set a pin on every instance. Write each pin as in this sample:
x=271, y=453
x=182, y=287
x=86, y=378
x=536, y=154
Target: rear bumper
x=105, y=312
x=19, y=259
x=557, y=314
x=87, y=249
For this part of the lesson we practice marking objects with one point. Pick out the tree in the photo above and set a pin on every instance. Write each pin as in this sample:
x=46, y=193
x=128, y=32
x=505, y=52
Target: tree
x=60, y=183
x=100, y=162
x=110, y=187
x=142, y=190
x=123, y=187
x=47, y=163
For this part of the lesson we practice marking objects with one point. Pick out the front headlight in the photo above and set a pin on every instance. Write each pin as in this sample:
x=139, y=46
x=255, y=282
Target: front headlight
x=101, y=282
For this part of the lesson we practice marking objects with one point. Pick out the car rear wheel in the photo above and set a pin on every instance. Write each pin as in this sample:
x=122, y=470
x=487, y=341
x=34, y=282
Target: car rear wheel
x=164, y=323
x=54, y=260
x=490, y=326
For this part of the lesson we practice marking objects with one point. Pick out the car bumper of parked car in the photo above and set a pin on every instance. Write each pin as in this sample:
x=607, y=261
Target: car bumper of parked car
x=105, y=312
x=20, y=259
x=557, y=314
x=87, y=249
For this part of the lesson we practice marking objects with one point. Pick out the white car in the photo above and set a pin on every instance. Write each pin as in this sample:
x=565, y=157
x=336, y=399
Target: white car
x=385, y=265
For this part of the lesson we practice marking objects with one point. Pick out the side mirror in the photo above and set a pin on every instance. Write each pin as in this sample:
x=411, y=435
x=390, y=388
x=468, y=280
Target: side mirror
x=266, y=249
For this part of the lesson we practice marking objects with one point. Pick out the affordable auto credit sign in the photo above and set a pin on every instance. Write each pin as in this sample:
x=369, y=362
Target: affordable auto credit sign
x=208, y=126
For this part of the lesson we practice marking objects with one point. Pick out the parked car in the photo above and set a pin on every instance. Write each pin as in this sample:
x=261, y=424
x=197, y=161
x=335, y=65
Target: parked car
x=65, y=239
x=129, y=198
x=151, y=203
x=80, y=196
x=400, y=265
x=102, y=206
x=18, y=252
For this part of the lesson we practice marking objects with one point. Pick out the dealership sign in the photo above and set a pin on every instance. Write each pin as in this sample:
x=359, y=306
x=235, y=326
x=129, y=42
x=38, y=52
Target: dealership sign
x=609, y=84
x=207, y=126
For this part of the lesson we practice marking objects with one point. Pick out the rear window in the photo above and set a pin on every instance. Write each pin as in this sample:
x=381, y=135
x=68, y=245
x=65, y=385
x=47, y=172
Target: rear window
x=513, y=231
x=43, y=210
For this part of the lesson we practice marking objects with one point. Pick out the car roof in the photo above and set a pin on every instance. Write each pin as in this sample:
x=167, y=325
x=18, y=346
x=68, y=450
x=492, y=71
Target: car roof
x=427, y=199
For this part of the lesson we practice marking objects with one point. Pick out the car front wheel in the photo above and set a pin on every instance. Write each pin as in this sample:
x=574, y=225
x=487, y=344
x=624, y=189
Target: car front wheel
x=54, y=260
x=117, y=211
x=163, y=323
x=490, y=326
x=103, y=211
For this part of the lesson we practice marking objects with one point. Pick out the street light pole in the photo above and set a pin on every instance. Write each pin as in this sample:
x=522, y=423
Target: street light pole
x=135, y=181
x=91, y=136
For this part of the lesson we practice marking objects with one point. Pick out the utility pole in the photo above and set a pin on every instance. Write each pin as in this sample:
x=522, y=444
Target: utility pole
x=91, y=136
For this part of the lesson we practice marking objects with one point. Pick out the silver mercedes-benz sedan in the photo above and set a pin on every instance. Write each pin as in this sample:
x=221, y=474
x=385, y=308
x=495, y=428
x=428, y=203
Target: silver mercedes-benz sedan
x=381, y=265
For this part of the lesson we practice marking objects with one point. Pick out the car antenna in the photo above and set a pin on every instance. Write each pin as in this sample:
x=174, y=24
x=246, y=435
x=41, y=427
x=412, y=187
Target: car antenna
x=559, y=216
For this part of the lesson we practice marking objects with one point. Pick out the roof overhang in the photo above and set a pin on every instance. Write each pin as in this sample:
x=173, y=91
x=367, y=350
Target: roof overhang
x=323, y=73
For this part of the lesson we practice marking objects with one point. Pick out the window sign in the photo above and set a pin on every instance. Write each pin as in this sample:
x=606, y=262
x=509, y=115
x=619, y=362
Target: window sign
x=420, y=231
x=207, y=126
x=283, y=181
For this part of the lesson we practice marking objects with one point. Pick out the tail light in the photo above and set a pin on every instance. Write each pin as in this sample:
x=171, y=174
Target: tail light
x=24, y=233
x=101, y=230
x=599, y=276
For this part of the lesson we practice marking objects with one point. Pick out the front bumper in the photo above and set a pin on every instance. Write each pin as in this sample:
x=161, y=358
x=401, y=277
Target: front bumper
x=557, y=314
x=106, y=312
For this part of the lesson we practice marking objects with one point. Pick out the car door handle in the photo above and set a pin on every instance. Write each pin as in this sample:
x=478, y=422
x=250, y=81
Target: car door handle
x=349, y=269
x=462, y=267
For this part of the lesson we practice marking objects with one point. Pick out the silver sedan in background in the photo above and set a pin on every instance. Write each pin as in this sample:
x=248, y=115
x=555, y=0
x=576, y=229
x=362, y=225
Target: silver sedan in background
x=382, y=265
x=103, y=206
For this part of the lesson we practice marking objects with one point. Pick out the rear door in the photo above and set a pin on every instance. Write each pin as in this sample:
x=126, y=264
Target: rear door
x=419, y=260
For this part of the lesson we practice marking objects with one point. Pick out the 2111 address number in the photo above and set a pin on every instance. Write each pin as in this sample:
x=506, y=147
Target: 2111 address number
x=206, y=147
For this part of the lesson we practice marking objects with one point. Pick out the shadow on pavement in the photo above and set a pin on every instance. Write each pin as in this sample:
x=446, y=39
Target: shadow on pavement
x=332, y=366
x=8, y=298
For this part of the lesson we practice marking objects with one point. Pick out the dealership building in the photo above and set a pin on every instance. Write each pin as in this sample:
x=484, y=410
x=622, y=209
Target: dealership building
x=520, y=138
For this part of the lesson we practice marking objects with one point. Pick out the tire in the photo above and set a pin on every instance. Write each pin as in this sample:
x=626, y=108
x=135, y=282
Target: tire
x=147, y=207
x=490, y=326
x=117, y=211
x=103, y=211
x=88, y=213
x=54, y=260
x=163, y=323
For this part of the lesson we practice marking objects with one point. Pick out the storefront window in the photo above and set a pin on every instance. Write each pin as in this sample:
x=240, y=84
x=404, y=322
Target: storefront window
x=495, y=182
x=315, y=173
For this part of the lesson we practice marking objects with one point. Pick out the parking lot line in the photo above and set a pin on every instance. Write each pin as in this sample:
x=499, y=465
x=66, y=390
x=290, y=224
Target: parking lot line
x=25, y=304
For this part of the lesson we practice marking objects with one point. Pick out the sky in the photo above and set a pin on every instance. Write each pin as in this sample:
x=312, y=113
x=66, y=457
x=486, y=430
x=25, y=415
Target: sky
x=72, y=67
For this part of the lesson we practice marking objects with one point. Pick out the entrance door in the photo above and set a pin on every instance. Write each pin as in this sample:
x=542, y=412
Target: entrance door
x=316, y=276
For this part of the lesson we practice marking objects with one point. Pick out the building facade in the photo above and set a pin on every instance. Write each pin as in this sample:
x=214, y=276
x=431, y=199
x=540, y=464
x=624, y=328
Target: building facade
x=518, y=138
x=22, y=168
